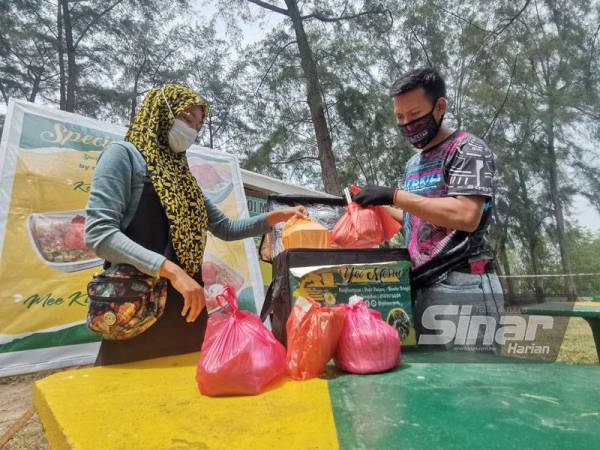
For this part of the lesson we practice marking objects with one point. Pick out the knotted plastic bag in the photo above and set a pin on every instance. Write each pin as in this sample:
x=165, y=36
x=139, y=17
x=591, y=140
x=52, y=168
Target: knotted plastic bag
x=304, y=233
x=367, y=344
x=239, y=355
x=362, y=227
x=312, y=336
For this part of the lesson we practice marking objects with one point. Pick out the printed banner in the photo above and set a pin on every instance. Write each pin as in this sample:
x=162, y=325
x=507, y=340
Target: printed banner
x=47, y=159
x=385, y=287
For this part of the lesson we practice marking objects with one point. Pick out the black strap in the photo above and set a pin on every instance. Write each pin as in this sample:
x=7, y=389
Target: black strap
x=267, y=308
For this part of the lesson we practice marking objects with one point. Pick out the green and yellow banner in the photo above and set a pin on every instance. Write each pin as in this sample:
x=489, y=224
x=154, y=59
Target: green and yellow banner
x=47, y=160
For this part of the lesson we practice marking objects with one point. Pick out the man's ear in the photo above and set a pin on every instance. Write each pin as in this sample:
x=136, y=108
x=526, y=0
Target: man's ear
x=442, y=105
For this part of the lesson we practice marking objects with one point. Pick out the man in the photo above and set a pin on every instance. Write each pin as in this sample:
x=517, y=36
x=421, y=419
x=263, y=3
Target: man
x=446, y=202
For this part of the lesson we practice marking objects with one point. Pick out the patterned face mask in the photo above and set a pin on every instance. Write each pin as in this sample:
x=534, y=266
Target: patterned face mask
x=421, y=131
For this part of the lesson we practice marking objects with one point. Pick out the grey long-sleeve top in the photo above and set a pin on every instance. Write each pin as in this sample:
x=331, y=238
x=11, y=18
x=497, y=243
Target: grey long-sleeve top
x=114, y=198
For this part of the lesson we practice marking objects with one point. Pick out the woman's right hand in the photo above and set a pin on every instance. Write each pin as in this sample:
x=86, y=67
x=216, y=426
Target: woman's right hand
x=192, y=292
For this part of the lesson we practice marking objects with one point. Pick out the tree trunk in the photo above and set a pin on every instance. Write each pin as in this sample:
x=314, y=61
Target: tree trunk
x=61, y=56
x=505, y=267
x=36, y=86
x=136, y=83
x=4, y=95
x=531, y=237
x=210, y=132
x=72, y=70
x=537, y=286
x=133, y=99
x=558, y=213
x=315, y=103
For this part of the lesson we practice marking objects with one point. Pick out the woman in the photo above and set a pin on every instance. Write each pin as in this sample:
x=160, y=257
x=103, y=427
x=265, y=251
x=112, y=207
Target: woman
x=146, y=209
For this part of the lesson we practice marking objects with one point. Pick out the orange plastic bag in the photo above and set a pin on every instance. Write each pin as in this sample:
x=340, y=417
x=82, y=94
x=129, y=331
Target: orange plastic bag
x=313, y=332
x=239, y=355
x=304, y=233
x=361, y=227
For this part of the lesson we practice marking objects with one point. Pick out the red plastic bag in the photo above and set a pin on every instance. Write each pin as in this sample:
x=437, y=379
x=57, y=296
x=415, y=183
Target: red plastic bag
x=390, y=225
x=358, y=228
x=363, y=227
x=367, y=344
x=312, y=336
x=239, y=356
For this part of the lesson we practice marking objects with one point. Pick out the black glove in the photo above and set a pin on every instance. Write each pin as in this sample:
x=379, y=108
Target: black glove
x=375, y=195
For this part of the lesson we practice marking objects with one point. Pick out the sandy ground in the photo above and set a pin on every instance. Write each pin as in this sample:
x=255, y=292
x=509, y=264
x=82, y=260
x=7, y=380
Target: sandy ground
x=15, y=392
x=15, y=400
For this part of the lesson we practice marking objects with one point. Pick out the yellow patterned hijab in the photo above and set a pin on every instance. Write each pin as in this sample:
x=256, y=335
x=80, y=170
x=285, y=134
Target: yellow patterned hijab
x=178, y=190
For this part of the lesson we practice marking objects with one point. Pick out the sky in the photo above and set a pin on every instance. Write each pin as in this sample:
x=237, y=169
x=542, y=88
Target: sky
x=584, y=213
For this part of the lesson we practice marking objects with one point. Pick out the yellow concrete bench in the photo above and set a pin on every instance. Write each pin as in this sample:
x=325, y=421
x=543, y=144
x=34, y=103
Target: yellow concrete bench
x=156, y=404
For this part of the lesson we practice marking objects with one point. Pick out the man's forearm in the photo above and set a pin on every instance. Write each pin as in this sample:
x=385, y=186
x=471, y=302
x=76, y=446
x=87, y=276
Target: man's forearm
x=396, y=213
x=457, y=213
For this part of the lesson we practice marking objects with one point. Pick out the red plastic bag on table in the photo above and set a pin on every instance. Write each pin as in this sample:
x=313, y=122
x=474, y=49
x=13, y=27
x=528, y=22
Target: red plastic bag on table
x=312, y=336
x=367, y=344
x=363, y=227
x=239, y=355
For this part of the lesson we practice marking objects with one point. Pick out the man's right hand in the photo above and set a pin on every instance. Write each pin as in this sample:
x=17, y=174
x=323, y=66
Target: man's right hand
x=192, y=292
x=375, y=195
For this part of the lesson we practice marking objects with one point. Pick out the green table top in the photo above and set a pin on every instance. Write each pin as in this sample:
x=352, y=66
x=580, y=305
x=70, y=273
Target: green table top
x=432, y=404
x=570, y=309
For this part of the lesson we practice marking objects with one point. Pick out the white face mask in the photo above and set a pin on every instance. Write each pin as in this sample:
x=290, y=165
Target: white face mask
x=181, y=135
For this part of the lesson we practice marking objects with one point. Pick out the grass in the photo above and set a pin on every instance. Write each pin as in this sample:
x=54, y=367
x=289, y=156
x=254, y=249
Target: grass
x=578, y=344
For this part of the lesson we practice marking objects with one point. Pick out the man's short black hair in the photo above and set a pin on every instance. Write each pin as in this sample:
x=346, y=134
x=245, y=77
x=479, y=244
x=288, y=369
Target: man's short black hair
x=428, y=78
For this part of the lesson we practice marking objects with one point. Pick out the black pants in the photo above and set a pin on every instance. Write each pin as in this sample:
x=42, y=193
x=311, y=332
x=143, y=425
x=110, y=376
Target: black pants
x=170, y=335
